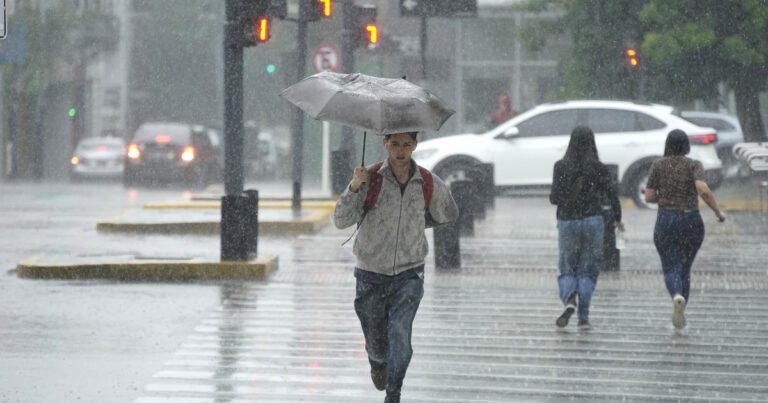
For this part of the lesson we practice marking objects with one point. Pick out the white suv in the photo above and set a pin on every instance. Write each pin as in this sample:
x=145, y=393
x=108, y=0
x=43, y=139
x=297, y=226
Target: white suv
x=524, y=149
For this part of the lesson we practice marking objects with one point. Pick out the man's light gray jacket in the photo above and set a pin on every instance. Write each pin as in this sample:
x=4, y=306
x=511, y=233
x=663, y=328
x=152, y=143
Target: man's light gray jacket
x=391, y=238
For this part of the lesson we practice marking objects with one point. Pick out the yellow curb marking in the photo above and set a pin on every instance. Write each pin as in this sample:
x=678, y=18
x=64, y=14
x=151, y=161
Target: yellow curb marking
x=150, y=270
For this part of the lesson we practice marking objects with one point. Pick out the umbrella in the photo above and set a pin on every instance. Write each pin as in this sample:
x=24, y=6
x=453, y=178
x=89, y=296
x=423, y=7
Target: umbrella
x=376, y=104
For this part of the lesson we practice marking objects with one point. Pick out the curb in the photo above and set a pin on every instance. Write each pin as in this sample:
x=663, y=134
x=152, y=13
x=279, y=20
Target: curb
x=149, y=270
x=273, y=204
x=308, y=225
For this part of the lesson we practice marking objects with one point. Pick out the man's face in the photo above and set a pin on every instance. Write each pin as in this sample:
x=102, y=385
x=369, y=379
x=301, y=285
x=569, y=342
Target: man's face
x=400, y=147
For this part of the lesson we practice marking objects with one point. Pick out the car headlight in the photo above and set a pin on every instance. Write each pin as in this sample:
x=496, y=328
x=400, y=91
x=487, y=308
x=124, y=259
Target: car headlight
x=424, y=154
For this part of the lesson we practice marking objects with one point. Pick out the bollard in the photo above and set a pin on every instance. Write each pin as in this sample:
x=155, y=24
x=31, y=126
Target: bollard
x=239, y=226
x=446, y=241
x=251, y=218
x=465, y=194
x=487, y=184
x=611, y=255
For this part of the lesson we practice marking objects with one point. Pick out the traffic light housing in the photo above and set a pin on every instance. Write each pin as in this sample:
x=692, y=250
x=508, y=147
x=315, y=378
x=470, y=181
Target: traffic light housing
x=255, y=19
x=313, y=10
x=365, y=30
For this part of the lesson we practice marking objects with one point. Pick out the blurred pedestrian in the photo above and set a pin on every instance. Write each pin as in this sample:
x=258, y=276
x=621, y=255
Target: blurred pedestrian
x=580, y=186
x=390, y=249
x=503, y=111
x=675, y=183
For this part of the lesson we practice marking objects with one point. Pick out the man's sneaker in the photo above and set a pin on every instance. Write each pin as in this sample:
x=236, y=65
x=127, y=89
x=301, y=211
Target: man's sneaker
x=562, y=321
x=392, y=398
x=379, y=376
x=584, y=324
x=678, y=311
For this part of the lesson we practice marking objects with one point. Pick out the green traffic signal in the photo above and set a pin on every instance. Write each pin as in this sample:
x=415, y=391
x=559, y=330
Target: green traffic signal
x=72, y=112
x=271, y=68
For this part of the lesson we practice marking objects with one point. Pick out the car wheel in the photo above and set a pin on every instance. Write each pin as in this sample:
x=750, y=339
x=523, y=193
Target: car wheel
x=637, y=189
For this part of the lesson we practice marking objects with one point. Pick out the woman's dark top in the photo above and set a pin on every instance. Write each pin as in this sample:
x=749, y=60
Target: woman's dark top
x=580, y=189
x=674, y=180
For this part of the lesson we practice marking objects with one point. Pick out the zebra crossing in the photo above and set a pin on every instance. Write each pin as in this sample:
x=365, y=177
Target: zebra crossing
x=301, y=343
x=486, y=333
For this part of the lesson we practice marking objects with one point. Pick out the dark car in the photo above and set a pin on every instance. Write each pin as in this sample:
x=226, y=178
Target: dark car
x=171, y=153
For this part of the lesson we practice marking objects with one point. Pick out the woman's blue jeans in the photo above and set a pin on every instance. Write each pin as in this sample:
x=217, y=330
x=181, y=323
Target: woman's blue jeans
x=581, y=256
x=678, y=235
x=386, y=312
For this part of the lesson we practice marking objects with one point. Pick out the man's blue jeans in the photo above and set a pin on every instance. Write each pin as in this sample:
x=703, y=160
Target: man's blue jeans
x=581, y=256
x=386, y=312
x=678, y=235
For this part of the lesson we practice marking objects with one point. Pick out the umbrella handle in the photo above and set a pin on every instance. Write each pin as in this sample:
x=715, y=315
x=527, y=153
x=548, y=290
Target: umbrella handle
x=365, y=133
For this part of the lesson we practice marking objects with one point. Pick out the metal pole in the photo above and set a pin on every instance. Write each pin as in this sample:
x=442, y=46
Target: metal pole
x=423, y=47
x=297, y=121
x=232, y=233
x=341, y=159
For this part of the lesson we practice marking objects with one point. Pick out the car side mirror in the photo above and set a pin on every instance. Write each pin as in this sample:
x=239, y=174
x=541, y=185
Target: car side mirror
x=510, y=133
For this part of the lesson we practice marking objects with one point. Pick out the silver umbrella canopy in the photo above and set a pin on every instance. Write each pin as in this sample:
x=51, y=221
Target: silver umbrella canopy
x=375, y=104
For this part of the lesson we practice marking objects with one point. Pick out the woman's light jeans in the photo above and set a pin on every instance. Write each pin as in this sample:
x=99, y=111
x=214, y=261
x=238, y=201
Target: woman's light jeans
x=581, y=257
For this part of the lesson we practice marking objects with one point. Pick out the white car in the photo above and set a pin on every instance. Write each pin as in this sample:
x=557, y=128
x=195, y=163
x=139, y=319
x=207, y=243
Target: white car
x=524, y=149
x=98, y=157
x=729, y=133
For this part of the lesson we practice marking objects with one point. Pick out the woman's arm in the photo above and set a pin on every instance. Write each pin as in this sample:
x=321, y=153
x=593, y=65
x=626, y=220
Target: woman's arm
x=709, y=198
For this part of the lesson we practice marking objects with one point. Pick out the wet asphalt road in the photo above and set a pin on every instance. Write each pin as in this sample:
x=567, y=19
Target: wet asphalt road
x=484, y=333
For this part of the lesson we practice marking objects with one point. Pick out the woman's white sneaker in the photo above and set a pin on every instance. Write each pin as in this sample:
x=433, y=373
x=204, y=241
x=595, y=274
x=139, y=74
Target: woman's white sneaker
x=678, y=311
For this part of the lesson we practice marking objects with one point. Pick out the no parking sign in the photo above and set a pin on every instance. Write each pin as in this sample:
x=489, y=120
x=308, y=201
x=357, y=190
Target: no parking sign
x=326, y=58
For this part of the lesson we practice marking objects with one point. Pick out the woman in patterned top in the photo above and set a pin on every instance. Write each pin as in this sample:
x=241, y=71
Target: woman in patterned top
x=675, y=183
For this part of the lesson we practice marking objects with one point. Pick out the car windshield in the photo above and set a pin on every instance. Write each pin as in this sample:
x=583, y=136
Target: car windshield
x=113, y=146
x=173, y=134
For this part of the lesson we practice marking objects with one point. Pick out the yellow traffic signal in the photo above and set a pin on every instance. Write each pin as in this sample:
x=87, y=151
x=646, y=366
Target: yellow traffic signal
x=262, y=29
x=327, y=8
x=373, y=34
x=632, y=57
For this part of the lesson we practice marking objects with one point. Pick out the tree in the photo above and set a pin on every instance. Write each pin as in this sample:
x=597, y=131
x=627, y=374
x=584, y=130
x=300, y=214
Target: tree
x=595, y=65
x=686, y=47
x=695, y=44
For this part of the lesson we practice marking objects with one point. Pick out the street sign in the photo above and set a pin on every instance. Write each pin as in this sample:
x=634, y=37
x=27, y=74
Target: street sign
x=438, y=8
x=326, y=58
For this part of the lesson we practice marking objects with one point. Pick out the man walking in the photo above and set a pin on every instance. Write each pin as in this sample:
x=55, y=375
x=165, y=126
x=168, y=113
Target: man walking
x=392, y=202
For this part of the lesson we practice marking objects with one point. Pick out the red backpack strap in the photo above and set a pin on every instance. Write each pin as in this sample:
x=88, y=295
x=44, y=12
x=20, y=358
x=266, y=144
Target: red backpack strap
x=374, y=186
x=427, y=185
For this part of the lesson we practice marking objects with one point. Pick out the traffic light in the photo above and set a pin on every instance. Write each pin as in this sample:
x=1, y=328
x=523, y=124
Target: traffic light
x=313, y=10
x=365, y=29
x=632, y=58
x=255, y=17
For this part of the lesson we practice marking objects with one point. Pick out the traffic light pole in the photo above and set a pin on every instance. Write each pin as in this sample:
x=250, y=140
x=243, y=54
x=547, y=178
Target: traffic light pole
x=232, y=232
x=297, y=126
x=343, y=156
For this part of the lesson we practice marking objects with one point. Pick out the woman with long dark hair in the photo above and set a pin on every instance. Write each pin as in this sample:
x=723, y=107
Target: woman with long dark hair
x=675, y=183
x=580, y=187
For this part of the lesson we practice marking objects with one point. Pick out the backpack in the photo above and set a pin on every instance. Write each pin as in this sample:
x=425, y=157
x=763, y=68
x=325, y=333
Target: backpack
x=427, y=185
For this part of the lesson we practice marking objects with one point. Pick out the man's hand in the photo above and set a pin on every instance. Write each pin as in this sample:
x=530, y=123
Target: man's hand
x=358, y=178
x=620, y=225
